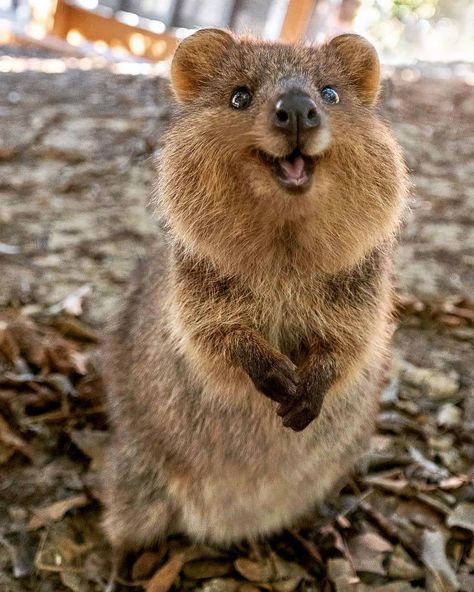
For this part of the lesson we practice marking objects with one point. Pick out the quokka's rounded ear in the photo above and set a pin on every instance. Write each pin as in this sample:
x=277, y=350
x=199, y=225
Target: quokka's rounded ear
x=195, y=60
x=361, y=64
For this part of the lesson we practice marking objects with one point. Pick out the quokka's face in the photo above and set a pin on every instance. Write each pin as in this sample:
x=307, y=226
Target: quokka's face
x=277, y=111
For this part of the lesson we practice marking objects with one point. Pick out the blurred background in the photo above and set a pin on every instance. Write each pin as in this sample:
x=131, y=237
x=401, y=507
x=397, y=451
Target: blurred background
x=404, y=30
x=84, y=101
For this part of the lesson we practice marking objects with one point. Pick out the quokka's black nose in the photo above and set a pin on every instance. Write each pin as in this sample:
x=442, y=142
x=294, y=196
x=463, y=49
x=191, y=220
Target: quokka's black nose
x=295, y=112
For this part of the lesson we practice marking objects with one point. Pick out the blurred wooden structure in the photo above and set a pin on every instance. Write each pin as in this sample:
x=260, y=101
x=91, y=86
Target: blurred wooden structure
x=151, y=29
x=74, y=24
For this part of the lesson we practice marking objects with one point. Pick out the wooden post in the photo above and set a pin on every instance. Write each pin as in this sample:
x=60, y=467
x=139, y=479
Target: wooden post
x=42, y=17
x=94, y=27
x=298, y=15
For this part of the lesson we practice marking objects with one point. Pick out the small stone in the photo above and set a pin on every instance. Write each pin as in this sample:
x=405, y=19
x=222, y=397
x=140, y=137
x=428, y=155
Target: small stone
x=14, y=97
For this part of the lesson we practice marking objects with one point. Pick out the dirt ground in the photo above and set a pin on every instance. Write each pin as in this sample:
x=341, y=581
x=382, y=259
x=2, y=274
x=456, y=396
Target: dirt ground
x=76, y=171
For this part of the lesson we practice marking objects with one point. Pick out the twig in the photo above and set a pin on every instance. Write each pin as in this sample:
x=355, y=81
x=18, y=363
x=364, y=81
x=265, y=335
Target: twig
x=308, y=546
x=60, y=415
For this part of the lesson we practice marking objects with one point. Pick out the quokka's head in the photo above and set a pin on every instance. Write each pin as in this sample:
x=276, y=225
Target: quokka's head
x=276, y=107
x=290, y=127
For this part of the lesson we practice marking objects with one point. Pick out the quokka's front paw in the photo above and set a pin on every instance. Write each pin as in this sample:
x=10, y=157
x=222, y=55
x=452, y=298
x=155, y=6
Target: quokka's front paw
x=277, y=378
x=306, y=407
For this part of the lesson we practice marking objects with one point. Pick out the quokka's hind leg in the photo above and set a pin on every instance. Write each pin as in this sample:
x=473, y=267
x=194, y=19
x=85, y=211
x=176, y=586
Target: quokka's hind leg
x=137, y=516
x=131, y=529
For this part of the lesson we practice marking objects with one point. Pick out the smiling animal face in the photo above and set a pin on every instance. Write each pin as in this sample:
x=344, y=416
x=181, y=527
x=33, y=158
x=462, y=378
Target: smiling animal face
x=267, y=134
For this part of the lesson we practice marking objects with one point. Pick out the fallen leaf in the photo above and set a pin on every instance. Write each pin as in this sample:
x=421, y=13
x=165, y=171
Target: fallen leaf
x=254, y=571
x=72, y=303
x=341, y=574
x=452, y=482
x=73, y=581
x=466, y=581
x=167, y=574
x=6, y=452
x=11, y=439
x=56, y=510
x=401, y=566
x=22, y=562
x=368, y=552
x=287, y=575
x=430, y=469
x=449, y=416
x=435, y=384
x=441, y=577
x=462, y=516
x=72, y=327
x=246, y=587
x=92, y=443
x=286, y=585
x=206, y=569
x=225, y=585
x=8, y=346
x=398, y=485
x=147, y=563
x=392, y=587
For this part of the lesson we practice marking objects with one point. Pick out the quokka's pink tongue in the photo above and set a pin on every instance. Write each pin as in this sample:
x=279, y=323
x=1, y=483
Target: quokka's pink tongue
x=293, y=170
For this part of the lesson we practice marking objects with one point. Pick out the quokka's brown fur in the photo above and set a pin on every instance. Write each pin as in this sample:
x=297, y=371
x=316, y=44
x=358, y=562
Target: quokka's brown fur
x=244, y=371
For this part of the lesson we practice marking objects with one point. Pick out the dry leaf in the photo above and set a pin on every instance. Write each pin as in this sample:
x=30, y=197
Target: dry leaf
x=92, y=443
x=401, y=566
x=254, y=571
x=8, y=346
x=206, y=569
x=284, y=570
x=225, y=585
x=57, y=510
x=166, y=575
x=429, y=468
x=368, y=552
x=10, y=438
x=147, y=563
x=462, y=516
x=73, y=581
x=341, y=574
x=440, y=574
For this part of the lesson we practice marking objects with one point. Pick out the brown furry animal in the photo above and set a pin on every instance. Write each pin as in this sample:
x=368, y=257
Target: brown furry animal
x=269, y=303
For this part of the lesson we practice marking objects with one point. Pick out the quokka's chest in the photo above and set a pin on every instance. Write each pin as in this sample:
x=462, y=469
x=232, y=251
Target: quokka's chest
x=291, y=318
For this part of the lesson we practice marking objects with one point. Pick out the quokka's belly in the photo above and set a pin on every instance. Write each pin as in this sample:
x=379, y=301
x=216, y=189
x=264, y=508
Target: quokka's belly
x=231, y=501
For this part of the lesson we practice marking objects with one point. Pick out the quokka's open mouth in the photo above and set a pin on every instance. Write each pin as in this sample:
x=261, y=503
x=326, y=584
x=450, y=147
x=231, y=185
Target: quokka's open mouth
x=293, y=171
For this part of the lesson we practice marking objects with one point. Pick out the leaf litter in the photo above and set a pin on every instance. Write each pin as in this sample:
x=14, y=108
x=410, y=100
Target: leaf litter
x=405, y=522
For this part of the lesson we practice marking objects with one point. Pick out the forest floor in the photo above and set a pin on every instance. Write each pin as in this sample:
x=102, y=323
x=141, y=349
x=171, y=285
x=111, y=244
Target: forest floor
x=76, y=171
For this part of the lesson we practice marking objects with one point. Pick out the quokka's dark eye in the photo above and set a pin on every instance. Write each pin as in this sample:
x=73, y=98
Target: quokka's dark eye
x=241, y=98
x=329, y=95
